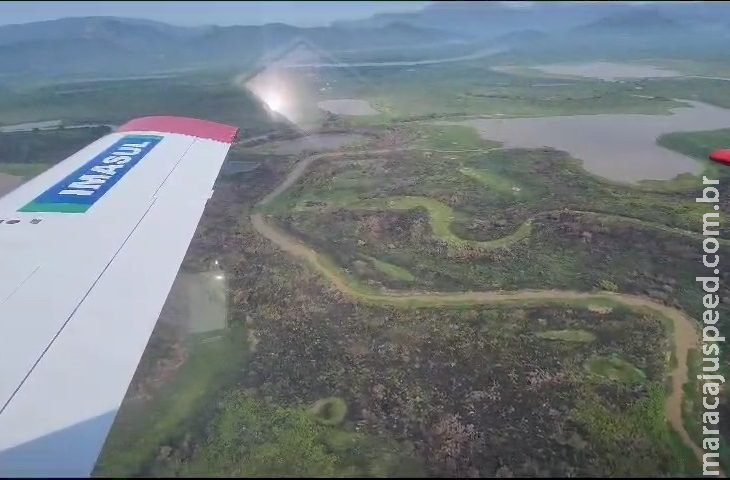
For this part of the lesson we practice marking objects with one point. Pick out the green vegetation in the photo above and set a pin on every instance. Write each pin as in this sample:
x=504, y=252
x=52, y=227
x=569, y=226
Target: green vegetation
x=692, y=408
x=449, y=138
x=500, y=185
x=201, y=95
x=415, y=368
x=329, y=411
x=141, y=428
x=565, y=248
x=614, y=368
x=635, y=441
x=557, y=232
x=23, y=170
x=701, y=89
x=568, y=335
x=698, y=145
x=607, y=285
x=441, y=216
x=393, y=271
x=26, y=154
x=474, y=89
x=251, y=439
x=547, y=180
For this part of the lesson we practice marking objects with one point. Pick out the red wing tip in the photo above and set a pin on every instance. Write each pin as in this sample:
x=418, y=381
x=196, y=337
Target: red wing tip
x=721, y=156
x=184, y=126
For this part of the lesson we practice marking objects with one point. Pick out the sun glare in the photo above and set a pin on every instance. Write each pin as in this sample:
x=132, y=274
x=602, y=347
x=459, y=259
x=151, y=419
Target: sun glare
x=274, y=101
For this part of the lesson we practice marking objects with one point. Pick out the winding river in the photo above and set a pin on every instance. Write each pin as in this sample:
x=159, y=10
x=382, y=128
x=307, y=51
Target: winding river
x=685, y=332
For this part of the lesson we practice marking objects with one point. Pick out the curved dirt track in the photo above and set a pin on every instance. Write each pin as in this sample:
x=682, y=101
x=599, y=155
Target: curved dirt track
x=685, y=334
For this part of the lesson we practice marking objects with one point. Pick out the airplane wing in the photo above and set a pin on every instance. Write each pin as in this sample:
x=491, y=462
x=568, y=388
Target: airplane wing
x=89, y=251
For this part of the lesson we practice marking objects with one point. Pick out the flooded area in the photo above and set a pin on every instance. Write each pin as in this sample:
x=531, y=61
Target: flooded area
x=8, y=183
x=619, y=147
x=347, y=106
x=48, y=125
x=604, y=70
x=315, y=143
x=398, y=63
x=27, y=127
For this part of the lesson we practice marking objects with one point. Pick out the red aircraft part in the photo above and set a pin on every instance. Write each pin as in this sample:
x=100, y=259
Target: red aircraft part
x=721, y=156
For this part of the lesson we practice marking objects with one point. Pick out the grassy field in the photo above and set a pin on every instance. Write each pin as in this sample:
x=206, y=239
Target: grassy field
x=249, y=438
x=619, y=434
x=23, y=170
x=490, y=181
x=473, y=88
x=392, y=270
x=440, y=218
x=568, y=335
x=26, y=154
x=614, y=368
x=697, y=145
x=141, y=428
x=212, y=97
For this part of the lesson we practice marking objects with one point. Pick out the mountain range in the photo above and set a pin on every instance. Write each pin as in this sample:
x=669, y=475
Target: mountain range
x=489, y=19
x=122, y=46
x=114, y=46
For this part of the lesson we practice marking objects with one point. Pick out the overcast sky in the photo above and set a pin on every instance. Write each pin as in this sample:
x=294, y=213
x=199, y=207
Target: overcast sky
x=204, y=13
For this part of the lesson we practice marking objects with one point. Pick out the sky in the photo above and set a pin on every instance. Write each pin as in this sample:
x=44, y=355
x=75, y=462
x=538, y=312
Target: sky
x=205, y=12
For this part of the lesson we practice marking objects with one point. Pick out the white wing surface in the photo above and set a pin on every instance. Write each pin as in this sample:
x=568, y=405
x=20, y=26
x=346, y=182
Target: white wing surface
x=88, y=253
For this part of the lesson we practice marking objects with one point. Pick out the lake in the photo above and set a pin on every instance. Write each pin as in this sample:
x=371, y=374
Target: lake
x=48, y=125
x=619, y=147
x=347, y=106
x=609, y=71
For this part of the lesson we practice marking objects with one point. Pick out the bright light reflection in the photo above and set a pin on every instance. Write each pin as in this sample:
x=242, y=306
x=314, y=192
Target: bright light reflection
x=274, y=101
x=278, y=91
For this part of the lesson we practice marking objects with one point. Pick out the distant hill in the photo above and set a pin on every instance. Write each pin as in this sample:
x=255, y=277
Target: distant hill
x=520, y=37
x=92, y=28
x=562, y=22
x=114, y=46
x=492, y=18
x=635, y=21
x=680, y=30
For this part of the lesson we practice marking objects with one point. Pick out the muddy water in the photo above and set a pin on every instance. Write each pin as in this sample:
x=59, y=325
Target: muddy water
x=315, y=143
x=619, y=147
x=400, y=63
x=26, y=127
x=607, y=70
x=48, y=125
x=347, y=106
x=8, y=183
